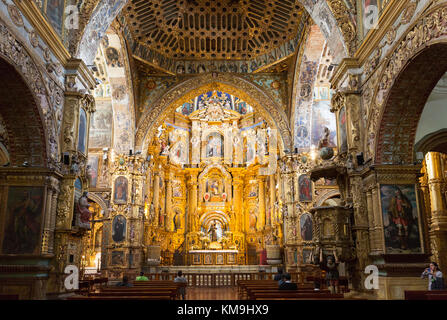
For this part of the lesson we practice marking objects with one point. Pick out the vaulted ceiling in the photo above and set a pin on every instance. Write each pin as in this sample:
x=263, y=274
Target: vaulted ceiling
x=213, y=30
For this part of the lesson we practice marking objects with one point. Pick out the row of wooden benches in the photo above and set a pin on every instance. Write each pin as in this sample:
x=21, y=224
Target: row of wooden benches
x=268, y=290
x=426, y=295
x=144, y=290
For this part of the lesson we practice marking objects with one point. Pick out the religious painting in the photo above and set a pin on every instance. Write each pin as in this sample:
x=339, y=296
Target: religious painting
x=119, y=228
x=82, y=137
x=177, y=191
x=92, y=170
x=326, y=182
x=55, y=14
x=214, y=189
x=305, y=188
x=219, y=258
x=100, y=135
x=117, y=258
x=23, y=220
x=214, y=145
x=342, y=130
x=196, y=258
x=120, y=190
x=307, y=255
x=306, y=227
x=231, y=258
x=253, y=191
x=400, y=218
x=322, y=118
x=208, y=259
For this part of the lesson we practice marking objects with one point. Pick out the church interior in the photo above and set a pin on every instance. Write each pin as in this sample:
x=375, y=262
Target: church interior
x=225, y=139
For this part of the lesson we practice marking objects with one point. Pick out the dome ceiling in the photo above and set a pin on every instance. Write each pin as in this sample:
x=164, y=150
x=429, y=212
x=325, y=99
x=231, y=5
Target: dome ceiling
x=213, y=30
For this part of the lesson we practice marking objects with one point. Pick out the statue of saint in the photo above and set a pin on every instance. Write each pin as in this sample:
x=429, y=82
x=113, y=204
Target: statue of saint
x=324, y=141
x=213, y=231
x=84, y=212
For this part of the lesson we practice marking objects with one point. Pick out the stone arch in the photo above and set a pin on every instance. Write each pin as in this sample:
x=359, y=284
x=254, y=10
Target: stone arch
x=20, y=66
x=433, y=142
x=331, y=16
x=403, y=89
x=100, y=201
x=331, y=193
x=230, y=83
x=20, y=112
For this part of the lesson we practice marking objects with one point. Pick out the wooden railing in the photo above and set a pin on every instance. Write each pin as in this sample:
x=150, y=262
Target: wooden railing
x=219, y=279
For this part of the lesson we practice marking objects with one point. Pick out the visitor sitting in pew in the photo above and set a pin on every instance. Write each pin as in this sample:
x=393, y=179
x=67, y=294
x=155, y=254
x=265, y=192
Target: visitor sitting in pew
x=124, y=283
x=142, y=277
x=279, y=275
x=288, y=284
x=181, y=279
x=435, y=279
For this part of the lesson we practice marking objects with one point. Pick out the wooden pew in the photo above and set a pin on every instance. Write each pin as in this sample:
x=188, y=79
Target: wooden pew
x=145, y=297
x=4, y=296
x=441, y=296
x=285, y=295
x=422, y=294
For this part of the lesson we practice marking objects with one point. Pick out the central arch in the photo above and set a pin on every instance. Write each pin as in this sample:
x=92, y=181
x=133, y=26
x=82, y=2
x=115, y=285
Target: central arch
x=193, y=87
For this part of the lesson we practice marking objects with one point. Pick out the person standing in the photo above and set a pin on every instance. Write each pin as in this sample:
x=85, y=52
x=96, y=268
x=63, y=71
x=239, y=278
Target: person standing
x=331, y=268
x=435, y=278
x=184, y=283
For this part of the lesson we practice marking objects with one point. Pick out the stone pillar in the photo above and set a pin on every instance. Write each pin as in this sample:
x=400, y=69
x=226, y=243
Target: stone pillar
x=261, y=197
x=438, y=222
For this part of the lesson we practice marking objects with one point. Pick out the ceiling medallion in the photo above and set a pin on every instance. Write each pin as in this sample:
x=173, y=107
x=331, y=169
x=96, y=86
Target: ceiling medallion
x=33, y=38
x=15, y=15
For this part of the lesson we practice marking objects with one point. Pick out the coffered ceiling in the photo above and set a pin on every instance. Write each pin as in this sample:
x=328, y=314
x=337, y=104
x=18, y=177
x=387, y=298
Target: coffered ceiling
x=213, y=30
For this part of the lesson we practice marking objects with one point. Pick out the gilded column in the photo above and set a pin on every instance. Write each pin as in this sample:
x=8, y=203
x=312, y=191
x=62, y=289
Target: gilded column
x=261, y=215
x=192, y=202
x=238, y=184
x=272, y=196
x=438, y=222
x=156, y=194
x=169, y=223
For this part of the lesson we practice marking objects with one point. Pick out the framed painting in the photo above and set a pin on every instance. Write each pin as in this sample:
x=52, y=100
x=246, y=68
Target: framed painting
x=117, y=258
x=400, y=215
x=119, y=228
x=306, y=227
x=219, y=258
x=231, y=258
x=92, y=170
x=207, y=259
x=82, y=137
x=120, y=190
x=196, y=258
x=342, y=129
x=306, y=256
x=305, y=188
x=23, y=220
